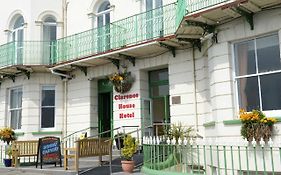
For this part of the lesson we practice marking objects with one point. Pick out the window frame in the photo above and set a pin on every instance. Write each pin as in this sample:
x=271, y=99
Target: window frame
x=41, y=107
x=257, y=74
x=14, y=109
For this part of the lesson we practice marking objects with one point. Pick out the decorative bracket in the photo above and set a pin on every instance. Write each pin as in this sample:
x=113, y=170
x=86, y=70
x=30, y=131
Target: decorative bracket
x=171, y=48
x=26, y=72
x=195, y=42
x=249, y=16
x=129, y=58
x=12, y=77
x=82, y=69
x=206, y=27
x=116, y=62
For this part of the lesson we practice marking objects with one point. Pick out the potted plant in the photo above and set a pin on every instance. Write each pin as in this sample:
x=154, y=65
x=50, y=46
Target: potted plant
x=7, y=135
x=8, y=161
x=255, y=125
x=127, y=152
x=119, y=140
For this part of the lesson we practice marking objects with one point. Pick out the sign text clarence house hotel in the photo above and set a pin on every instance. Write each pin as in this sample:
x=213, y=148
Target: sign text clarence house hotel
x=123, y=103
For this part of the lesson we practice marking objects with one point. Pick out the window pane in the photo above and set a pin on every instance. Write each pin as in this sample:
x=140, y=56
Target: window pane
x=271, y=91
x=48, y=97
x=16, y=98
x=248, y=93
x=16, y=119
x=159, y=75
x=268, y=52
x=161, y=90
x=148, y=4
x=245, y=58
x=47, y=117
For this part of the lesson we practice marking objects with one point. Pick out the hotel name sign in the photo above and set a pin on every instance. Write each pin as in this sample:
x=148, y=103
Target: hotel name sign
x=123, y=104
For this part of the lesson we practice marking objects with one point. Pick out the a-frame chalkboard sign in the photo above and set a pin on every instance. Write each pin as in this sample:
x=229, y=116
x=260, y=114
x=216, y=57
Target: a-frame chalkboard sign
x=49, y=151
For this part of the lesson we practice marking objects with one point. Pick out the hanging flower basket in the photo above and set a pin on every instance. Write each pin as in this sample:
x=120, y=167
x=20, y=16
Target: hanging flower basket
x=122, y=81
x=7, y=135
x=255, y=125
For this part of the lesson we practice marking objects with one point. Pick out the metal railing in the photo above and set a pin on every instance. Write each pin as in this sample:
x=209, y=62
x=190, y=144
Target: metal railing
x=196, y=5
x=142, y=27
x=27, y=53
x=69, y=140
x=164, y=156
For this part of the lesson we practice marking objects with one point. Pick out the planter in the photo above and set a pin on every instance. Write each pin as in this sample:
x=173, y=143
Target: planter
x=7, y=162
x=128, y=165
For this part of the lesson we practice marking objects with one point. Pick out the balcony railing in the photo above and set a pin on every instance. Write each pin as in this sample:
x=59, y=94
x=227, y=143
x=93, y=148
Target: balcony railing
x=200, y=157
x=196, y=5
x=26, y=53
x=137, y=29
x=132, y=30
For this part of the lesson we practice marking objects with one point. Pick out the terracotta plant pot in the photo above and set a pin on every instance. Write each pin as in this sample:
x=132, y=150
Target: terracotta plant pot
x=128, y=165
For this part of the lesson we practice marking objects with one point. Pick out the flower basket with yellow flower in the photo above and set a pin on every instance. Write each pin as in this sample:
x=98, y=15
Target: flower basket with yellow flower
x=255, y=125
x=122, y=81
x=7, y=135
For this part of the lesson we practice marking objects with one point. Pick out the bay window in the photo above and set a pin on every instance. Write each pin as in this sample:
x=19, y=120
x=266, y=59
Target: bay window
x=258, y=73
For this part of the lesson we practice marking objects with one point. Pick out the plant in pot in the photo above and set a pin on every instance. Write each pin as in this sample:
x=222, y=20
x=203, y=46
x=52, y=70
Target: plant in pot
x=255, y=125
x=7, y=135
x=119, y=140
x=127, y=152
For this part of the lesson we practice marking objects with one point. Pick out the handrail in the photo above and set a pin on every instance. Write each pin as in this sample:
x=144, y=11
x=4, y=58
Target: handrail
x=79, y=131
x=114, y=129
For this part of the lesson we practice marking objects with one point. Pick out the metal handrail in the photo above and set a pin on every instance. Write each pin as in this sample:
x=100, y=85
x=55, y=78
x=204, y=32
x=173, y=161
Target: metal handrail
x=78, y=132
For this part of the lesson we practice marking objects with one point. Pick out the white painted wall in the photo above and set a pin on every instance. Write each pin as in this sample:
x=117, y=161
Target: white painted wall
x=31, y=10
x=31, y=101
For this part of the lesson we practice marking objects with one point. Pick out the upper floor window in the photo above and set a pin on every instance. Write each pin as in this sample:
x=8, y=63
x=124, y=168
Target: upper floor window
x=103, y=14
x=17, y=31
x=49, y=29
x=15, y=107
x=48, y=107
x=258, y=73
x=17, y=36
x=152, y=4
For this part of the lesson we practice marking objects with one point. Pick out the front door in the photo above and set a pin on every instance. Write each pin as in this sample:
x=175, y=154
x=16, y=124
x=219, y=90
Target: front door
x=159, y=94
x=105, y=107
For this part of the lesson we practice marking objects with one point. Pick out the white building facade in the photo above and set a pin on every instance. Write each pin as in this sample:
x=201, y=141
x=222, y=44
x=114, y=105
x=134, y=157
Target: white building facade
x=198, y=68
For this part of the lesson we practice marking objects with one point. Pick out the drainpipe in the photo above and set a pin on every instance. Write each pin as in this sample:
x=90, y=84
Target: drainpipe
x=64, y=123
x=64, y=17
x=194, y=90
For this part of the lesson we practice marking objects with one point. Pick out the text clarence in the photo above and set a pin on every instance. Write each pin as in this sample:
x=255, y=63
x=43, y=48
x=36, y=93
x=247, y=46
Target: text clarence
x=123, y=97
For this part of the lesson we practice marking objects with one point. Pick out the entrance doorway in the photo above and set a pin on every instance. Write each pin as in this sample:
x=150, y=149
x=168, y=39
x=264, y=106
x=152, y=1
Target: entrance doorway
x=105, y=107
x=159, y=94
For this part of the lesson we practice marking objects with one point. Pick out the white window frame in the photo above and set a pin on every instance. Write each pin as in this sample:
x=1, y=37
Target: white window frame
x=40, y=109
x=272, y=113
x=14, y=109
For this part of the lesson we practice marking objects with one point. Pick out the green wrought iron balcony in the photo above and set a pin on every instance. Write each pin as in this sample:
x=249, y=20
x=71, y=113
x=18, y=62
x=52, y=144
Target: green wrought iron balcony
x=135, y=29
x=26, y=53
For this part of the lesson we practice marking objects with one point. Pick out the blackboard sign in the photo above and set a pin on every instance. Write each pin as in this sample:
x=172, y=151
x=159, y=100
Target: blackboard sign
x=49, y=151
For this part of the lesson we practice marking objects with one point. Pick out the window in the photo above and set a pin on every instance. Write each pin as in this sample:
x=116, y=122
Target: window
x=154, y=18
x=48, y=107
x=15, y=108
x=49, y=36
x=17, y=37
x=103, y=21
x=258, y=73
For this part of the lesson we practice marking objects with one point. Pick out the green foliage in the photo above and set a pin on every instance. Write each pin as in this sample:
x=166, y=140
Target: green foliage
x=178, y=131
x=8, y=151
x=130, y=147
